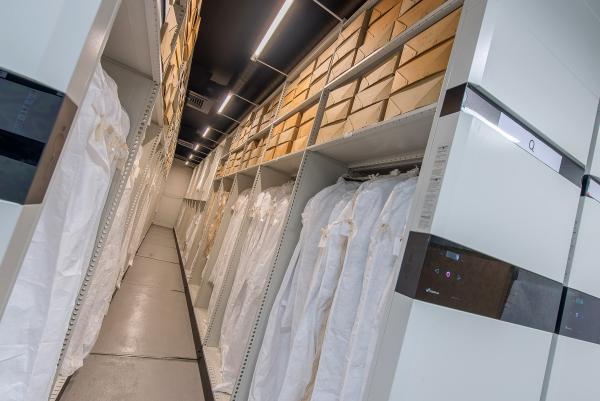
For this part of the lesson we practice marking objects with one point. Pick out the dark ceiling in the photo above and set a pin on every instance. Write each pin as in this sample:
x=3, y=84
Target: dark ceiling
x=230, y=31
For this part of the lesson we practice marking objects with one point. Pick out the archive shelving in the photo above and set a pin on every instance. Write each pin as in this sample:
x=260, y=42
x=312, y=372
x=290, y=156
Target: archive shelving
x=399, y=142
x=136, y=55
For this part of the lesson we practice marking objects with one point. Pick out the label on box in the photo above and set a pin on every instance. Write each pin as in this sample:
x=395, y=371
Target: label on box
x=434, y=187
x=529, y=143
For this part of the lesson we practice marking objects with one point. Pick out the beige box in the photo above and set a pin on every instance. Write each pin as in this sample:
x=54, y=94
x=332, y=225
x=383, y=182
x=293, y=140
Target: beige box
x=325, y=54
x=365, y=117
x=329, y=132
x=291, y=122
x=287, y=135
x=289, y=96
x=428, y=63
x=342, y=66
x=415, y=14
x=347, y=46
x=309, y=113
x=302, y=86
x=304, y=129
x=272, y=141
x=299, y=144
x=337, y=112
x=378, y=34
x=439, y=32
x=278, y=129
x=383, y=71
x=300, y=98
x=407, y=4
x=354, y=26
x=282, y=149
x=376, y=93
x=342, y=93
x=320, y=71
x=373, y=43
x=383, y=7
x=425, y=92
x=269, y=154
x=317, y=86
x=307, y=70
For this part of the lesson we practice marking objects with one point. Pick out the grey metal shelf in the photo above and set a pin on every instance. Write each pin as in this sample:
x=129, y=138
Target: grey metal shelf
x=404, y=134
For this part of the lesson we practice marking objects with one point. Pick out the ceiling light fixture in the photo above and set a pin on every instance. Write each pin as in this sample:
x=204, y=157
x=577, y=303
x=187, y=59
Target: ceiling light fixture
x=225, y=102
x=206, y=131
x=197, y=146
x=282, y=12
x=190, y=156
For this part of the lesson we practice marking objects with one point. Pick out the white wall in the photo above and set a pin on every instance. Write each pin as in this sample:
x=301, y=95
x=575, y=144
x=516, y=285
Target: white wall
x=173, y=193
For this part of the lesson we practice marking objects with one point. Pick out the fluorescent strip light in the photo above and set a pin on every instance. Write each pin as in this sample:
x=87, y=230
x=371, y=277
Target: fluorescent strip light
x=190, y=156
x=225, y=102
x=284, y=9
x=206, y=131
x=187, y=163
x=490, y=124
x=197, y=146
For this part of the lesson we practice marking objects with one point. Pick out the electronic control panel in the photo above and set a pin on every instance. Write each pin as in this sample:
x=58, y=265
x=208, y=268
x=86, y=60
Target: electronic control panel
x=441, y=272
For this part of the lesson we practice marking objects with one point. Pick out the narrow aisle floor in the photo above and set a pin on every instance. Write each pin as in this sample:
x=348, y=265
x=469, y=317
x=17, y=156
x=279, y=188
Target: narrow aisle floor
x=145, y=351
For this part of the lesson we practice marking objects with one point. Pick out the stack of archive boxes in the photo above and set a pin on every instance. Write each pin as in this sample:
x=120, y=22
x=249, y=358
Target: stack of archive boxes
x=298, y=90
x=178, y=38
x=282, y=137
x=404, y=82
x=306, y=124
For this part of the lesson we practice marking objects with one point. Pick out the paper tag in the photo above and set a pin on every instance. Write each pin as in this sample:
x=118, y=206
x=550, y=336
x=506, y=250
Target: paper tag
x=433, y=189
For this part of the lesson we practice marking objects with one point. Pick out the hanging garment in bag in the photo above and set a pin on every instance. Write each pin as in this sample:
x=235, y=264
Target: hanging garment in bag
x=289, y=303
x=251, y=275
x=216, y=276
x=101, y=287
x=378, y=285
x=308, y=326
x=368, y=204
x=36, y=318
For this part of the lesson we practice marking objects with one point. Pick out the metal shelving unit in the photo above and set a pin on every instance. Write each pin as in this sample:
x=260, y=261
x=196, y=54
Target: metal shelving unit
x=398, y=142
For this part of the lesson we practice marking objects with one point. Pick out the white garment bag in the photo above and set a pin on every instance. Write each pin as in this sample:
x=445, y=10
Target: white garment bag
x=289, y=303
x=252, y=272
x=36, y=318
x=102, y=286
x=308, y=328
x=378, y=284
x=367, y=206
x=216, y=276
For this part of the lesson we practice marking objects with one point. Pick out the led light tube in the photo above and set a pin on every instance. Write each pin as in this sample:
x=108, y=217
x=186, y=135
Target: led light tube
x=225, y=103
x=206, y=131
x=284, y=9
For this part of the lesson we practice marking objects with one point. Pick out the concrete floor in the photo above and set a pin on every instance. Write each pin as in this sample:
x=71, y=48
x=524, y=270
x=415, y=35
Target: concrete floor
x=145, y=351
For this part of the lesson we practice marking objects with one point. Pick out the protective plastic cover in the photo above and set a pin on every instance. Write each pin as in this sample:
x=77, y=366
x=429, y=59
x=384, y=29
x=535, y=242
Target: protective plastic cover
x=101, y=287
x=267, y=217
x=37, y=315
x=290, y=302
x=216, y=275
